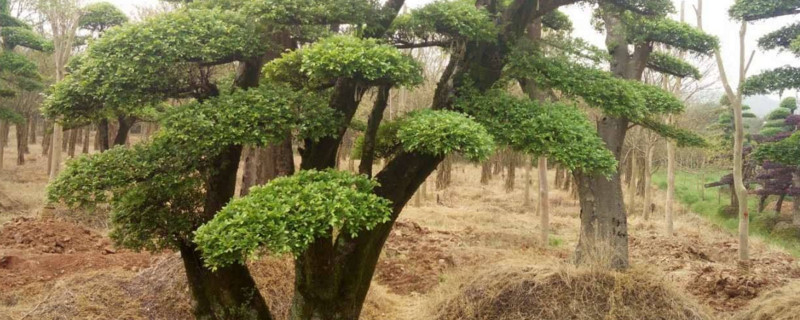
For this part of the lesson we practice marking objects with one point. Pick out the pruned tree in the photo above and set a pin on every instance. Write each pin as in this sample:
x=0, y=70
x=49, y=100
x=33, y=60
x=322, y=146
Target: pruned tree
x=335, y=223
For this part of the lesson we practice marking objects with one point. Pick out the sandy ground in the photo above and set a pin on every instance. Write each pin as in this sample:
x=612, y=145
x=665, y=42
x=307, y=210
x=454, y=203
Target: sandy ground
x=52, y=267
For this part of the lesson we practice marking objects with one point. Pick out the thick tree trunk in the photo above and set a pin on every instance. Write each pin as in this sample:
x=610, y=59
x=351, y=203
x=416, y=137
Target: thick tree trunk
x=648, y=193
x=124, y=125
x=227, y=293
x=604, y=224
x=266, y=163
x=102, y=133
x=544, y=202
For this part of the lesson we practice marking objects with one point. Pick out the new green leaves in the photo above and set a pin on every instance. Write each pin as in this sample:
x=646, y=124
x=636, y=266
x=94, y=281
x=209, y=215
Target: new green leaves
x=289, y=213
x=558, y=131
x=364, y=60
x=100, y=16
x=777, y=80
x=671, y=65
x=750, y=10
x=451, y=19
x=673, y=33
x=440, y=133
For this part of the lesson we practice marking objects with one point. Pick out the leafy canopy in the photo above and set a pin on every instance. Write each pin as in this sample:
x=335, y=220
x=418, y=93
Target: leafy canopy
x=100, y=16
x=289, y=213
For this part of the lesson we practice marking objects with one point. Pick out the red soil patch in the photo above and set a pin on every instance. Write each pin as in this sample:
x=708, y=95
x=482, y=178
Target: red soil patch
x=414, y=258
x=40, y=251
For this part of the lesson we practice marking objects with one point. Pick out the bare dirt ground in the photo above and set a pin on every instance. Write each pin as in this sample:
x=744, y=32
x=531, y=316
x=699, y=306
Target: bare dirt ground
x=52, y=267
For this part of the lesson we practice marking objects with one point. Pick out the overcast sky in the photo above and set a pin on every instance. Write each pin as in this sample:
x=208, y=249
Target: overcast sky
x=715, y=21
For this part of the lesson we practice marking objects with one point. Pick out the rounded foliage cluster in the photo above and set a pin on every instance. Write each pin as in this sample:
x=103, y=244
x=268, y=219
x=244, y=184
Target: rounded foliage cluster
x=439, y=133
x=289, y=213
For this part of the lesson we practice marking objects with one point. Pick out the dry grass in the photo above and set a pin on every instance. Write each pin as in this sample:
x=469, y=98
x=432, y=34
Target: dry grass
x=779, y=304
x=515, y=290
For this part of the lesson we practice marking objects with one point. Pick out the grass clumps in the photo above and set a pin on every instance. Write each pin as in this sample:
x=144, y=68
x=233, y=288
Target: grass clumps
x=564, y=292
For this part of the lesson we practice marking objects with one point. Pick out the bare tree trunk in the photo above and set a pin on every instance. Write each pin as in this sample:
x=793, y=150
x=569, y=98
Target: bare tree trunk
x=486, y=172
x=22, y=142
x=632, y=180
x=26, y=135
x=444, y=174
x=3, y=126
x=73, y=140
x=250, y=172
x=55, y=153
x=528, y=181
x=544, y=201
x=32, y=131
x=512, y=171
x=670, y=187
x=796, y=200
x=648, y=194
x=86, y=134
x=103, y=134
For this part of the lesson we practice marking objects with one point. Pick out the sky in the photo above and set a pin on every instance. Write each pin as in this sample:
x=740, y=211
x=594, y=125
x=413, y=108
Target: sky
x=715, y=22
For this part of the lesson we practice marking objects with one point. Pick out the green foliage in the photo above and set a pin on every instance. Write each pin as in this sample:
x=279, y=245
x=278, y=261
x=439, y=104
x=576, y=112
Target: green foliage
x=386, y=142
x=646, y=7
x=156, y=188
x=13, y=65
x=786, y=151
x=9, y=21
x=12, y=116
x=779, y=114
x=557, y=20
x=286, y=13
x=453, y=19
x=683, y=138
x=70, y=102
x=7, y=93
x=24, y=37
x=771, y=131
x=290, y=213
x=558, y=131
x=440, y=132
x=790, y=104
x=147, y=62
x=364, y=60
x=671, y=65
x=777, y=80
x=782, y=38
x=600, y=89
x=672, y=33
x=100, y=16
x=751, y=10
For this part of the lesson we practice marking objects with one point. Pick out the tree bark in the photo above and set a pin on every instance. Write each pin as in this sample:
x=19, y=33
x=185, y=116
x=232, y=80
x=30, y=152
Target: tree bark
x=22, y=142
x=670, y=188
x=796, y=199
x=762, y=202
x=779, y=203
x=604, y=225
x=55, y=152
x=123, y=129
x=544, y=202
x=632, y=180
x=73, y=141
x=648, y=193
x=370, y=135
x=444, y=174
x=87, y=130
x=486, y=172
x=102, y=133
x=32, y=131
x=528, y=181
x=3, y=126
x=511, y=159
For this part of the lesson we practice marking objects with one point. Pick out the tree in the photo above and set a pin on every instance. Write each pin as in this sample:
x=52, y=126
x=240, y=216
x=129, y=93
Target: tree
x=186, y=174
x=17, y=73
x=624, y=101
x=771, y=81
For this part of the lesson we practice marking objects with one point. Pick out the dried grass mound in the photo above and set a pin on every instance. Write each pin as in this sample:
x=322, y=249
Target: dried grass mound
x=778, y=304
x=514, y=293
